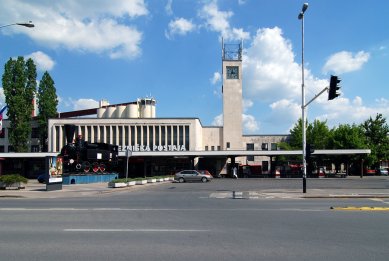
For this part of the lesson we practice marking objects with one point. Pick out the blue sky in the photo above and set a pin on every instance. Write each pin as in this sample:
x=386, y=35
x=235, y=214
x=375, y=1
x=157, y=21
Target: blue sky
x=171, y=50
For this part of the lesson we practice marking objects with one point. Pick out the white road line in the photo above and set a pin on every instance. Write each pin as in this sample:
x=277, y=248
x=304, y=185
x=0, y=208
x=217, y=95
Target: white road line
x=159, y=209
x=131, y=230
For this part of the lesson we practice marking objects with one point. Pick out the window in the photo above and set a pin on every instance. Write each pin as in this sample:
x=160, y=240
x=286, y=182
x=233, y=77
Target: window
x=127, y=133
x=1, y=148
x=187, y=137
x=144, y=135
x=151, y=135
x=139, y=135
x=132, y=135
x=175, y=137
x=265, y=165
x=274, y=146
x=156, y=135
x=101, y=138
x=169, y=135
x=95, y=138
x=206, y=148
x=228, y=145
x=181, y=135
x=265, y=146
x=212, y=148
x=250, y=147
x=163, y=135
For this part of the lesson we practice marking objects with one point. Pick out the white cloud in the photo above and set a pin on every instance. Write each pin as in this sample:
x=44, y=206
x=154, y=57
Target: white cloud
x=218, y=21
x=42, y=61
x=82, y=104
x=343, y=62
x=216, y=78
x=270, y=70
x=218, y=120
x=284, y=112
x=247, y=103
x=250, y=125
x=179, y=26
x=168, y=7
x=345, y=111
x=98, y=27
x=2, y=98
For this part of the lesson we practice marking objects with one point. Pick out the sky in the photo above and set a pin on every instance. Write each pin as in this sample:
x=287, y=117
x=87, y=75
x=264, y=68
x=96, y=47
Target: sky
x=121, y=50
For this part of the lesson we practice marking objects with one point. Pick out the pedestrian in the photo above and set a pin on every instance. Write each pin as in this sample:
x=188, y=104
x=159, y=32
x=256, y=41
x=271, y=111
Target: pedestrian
x=234, y=173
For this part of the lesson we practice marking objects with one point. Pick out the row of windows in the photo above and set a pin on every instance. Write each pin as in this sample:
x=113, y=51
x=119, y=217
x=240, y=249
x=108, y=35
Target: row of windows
x=125, y=135
x=264, y=146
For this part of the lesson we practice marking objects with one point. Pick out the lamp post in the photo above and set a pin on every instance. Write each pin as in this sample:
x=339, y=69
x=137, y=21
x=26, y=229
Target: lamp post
x=303, y=112
x=29, y=24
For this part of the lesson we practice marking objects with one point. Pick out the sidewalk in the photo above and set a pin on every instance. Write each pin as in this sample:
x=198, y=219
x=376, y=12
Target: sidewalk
x=37, y=190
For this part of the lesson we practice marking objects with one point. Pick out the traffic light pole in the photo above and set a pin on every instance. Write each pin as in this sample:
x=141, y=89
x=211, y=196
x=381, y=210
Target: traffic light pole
x=317, y=95
x=303, y=107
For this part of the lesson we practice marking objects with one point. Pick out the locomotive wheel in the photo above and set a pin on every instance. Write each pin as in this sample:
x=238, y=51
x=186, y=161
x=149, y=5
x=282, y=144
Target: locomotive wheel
x=86, y=165
x=102, y=167
x=95, y=167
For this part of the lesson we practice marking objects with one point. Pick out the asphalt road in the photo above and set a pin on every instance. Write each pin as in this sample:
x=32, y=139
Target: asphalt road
x=184, y=222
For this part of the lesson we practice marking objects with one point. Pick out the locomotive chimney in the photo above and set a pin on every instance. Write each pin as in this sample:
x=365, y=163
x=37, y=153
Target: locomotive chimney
x=69, y=131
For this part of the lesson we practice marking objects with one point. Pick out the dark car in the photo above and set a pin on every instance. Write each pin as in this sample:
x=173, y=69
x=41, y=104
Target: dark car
x=41, y=178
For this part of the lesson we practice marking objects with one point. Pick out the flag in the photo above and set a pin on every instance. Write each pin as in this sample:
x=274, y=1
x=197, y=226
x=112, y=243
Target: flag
x=1, y=123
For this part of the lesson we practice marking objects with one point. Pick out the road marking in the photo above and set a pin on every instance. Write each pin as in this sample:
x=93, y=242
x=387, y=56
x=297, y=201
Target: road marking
x=364, y=208
x=132, y=230
x=380, y=200
x=161, y=209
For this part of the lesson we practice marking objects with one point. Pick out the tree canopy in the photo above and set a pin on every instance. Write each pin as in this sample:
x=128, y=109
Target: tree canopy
x=19, y=85
x=371, y=134
x=47, y=105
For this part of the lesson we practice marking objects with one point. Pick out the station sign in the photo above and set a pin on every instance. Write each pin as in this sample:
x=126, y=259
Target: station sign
x=152, y=148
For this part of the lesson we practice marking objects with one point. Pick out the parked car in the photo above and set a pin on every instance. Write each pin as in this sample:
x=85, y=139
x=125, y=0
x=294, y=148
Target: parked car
x=382, y=172
x=205, y=172
x=192, y=175
x=41, y=178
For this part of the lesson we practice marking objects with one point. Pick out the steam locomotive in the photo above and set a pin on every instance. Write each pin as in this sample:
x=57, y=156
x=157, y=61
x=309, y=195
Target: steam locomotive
x=83, y=157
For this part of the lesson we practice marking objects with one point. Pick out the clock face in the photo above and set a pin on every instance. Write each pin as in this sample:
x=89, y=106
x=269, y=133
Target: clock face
x=232, y=72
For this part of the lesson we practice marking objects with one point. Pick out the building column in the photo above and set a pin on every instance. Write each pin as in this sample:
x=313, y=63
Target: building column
x=53, y=144
x=60, y=137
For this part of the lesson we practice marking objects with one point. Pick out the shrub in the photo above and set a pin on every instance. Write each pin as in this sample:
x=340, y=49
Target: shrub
x=8, y=180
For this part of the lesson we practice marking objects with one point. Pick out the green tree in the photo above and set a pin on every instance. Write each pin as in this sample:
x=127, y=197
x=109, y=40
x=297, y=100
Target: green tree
x=47, y=105
x=317, y=134
x=296, y=133
x=347, y=137
x=376, y=133
x=19, y=85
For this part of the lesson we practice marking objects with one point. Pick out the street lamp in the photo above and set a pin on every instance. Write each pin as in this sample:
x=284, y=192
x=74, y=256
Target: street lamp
x=301, y=17
x=29, y=24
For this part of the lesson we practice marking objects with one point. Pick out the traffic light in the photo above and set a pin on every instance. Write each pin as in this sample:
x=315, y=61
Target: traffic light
x=334, y=87
x=309, y=149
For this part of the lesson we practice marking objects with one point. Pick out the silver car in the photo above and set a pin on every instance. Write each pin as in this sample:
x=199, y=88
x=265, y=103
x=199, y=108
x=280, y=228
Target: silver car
x=192, y=175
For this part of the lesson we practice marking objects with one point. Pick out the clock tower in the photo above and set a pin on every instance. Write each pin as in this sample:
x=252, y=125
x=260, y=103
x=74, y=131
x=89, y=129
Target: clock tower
x=232, y=96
